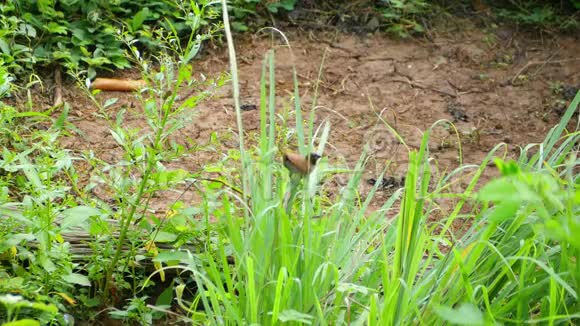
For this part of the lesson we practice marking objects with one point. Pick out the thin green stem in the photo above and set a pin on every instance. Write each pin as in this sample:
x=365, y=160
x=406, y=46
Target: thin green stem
x=236, y=93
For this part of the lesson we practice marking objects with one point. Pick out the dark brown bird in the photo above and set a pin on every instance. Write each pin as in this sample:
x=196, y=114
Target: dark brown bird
x=300, y=164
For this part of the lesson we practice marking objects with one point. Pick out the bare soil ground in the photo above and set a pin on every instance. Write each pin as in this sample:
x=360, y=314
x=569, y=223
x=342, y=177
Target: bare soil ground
x=495, y=85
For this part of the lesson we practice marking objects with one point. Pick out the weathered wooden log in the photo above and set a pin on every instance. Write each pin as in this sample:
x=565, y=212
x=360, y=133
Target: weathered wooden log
x=80, y=240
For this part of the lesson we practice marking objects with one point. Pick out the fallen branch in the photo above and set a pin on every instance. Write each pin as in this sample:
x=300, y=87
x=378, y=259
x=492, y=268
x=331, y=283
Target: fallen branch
x=543, y=63
x=57, y=99
x=417, y=85
x=83, y=244
x=119, y=85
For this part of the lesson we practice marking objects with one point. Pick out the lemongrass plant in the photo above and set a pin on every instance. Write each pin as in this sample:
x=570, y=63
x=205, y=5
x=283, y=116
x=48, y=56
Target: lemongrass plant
x=340, y=263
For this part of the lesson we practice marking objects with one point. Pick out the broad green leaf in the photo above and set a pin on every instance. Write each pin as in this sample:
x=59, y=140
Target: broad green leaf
x=47, y=264
x=110, y=102
x=100, y=61
x=55, y=28
x=79, y=279
x=273, y=8
x=10, y=299
x=498, y=190
x=44, y=307
x=42, y=53
x=28, y=30
x=63, y=117
x=120, y=62
x=98, y=227
x=504, y=210
x=81, y=35
x=31, y=114
x=168, y=256
x=466, y=314
x=293, y=315
x=15, y=239
x=166, y=297
x=507, y=168
x=118, y=137
x=4, y=47
x=288, y=4
x=140, y=17
x=14, y=213
x=119, y=314
x=351, y=288
x=76, y=216
x=165, y=237
x=61, y=55
x=23, y=322
x=240, y=27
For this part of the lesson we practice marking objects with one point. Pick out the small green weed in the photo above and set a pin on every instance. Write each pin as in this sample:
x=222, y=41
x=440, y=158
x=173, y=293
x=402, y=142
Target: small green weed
x=401, y=16
x=542, y=15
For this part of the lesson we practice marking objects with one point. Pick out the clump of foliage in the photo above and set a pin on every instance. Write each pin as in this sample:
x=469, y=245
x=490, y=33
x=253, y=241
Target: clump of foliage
x=398, y=17
x=246, y=13
x=545, y=15
x=401, y=17
x=86, y=34
x=337, y=262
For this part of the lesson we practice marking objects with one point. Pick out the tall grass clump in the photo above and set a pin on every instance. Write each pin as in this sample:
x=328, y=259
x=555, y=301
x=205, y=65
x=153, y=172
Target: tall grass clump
x=339, y=263
x=46, y=205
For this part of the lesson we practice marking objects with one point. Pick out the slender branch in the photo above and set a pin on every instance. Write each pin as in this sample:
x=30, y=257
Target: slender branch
x=543, y=63
x=57, y=87
x=236, y=92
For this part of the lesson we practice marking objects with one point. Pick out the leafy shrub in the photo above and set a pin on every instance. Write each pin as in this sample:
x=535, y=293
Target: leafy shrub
x=400, y=16
x=85, y=33
x=554, y=15
x=5, y=82
x=246, y=11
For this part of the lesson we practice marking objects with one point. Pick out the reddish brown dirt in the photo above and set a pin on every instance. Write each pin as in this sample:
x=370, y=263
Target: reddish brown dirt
x=495, y=85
